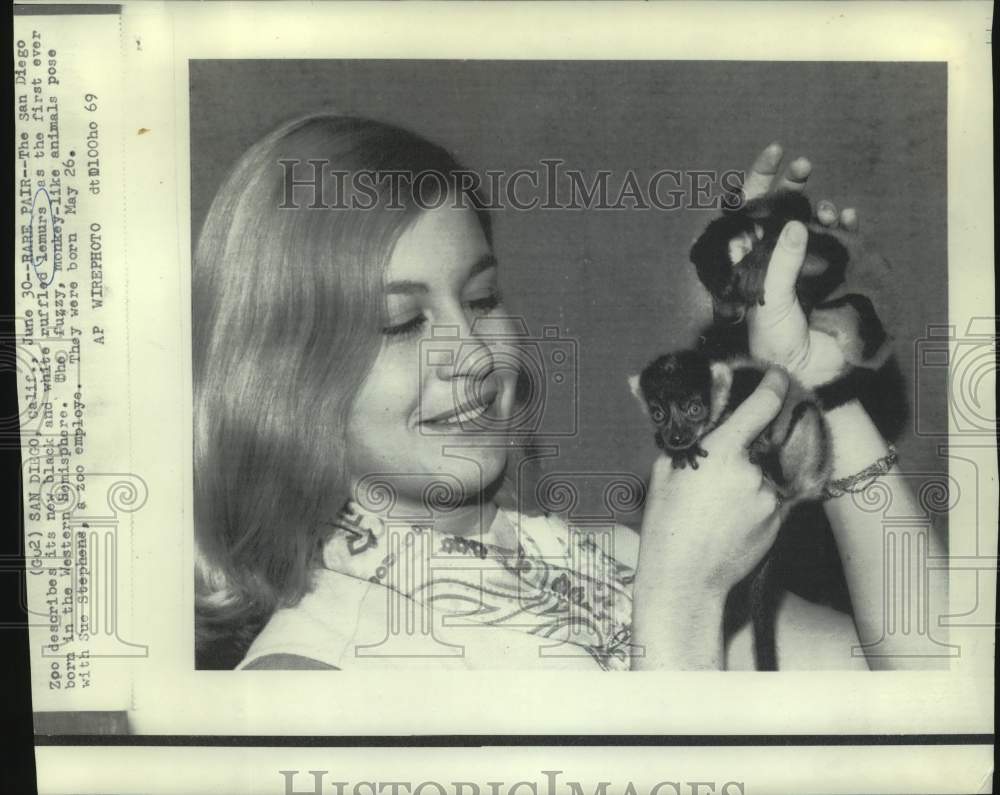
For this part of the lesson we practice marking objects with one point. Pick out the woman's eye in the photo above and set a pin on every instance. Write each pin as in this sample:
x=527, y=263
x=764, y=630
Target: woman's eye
x=414, y=326
x=409, y=328
x=485, y=304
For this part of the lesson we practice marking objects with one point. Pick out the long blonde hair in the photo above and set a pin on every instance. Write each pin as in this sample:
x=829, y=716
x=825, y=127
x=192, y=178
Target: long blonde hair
x=286, y=308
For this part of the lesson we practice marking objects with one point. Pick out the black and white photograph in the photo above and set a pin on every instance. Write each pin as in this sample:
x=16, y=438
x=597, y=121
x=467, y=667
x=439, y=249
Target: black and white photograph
x=512, y=365
x=488, y=398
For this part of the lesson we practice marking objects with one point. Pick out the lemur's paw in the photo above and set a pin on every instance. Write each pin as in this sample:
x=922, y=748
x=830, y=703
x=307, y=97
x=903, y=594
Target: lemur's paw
x=693, y=453
x=750, y=283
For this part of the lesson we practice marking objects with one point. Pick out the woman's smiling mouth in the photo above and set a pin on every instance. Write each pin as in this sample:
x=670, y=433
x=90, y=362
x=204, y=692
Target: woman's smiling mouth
x=470, y=411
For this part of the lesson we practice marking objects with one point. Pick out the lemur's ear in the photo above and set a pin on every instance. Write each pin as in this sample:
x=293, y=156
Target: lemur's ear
x=633, y=385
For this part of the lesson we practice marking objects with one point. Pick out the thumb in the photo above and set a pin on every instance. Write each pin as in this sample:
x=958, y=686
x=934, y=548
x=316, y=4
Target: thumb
x=754, y=413
x=784, y=266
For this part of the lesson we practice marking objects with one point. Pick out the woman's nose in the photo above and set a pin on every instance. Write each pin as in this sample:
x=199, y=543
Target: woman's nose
x=468, y=358
x=455, y=352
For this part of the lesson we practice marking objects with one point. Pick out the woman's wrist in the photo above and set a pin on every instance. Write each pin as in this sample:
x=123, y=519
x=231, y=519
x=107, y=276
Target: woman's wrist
x=677, y=627
x=857, y=443
x=676, y=611
x=684, y=590
x=670, y=575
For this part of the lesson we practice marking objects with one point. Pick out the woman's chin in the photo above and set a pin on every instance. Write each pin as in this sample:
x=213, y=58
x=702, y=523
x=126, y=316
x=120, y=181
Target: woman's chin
x=475, y=468
x=488, y=462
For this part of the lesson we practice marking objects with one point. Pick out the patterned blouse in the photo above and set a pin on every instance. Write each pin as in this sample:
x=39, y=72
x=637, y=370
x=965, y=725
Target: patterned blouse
x=529, y=592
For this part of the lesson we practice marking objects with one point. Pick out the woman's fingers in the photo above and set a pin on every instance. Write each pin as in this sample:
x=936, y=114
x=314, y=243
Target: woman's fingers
x=762, y=173
x=826, y=213
x=783, y=270
x=849, y=219
x=761, y=179
x=778, y=330
x=766, y=531
x=769, y=501
x=796, y=176
x=662, y=469
x=756, y=412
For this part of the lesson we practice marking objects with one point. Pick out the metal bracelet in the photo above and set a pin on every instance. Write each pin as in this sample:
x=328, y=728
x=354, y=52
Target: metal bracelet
x=858, y=482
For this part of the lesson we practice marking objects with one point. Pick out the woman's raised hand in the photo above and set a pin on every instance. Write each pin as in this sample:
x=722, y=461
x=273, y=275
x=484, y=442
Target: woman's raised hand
x=779, y=330
x=704, y=530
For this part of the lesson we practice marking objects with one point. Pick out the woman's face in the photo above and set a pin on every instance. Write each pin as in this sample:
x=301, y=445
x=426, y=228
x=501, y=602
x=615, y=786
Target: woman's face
x=441, y=380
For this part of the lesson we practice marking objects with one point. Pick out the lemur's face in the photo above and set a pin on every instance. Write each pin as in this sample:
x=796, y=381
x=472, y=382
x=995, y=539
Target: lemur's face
x=680, y=421
x=676, y=393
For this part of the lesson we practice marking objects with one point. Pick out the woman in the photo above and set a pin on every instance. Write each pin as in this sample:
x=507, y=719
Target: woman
x=350, y=460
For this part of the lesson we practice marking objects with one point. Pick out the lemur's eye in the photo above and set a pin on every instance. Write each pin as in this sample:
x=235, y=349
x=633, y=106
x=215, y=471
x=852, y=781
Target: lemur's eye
x=657, y=415
x=695, y=409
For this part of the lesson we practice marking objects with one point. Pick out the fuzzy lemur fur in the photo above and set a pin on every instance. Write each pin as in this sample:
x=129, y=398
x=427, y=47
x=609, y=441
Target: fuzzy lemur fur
x=688, y=393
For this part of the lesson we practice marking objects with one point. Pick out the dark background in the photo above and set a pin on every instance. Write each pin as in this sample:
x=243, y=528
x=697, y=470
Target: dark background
x=619, y=282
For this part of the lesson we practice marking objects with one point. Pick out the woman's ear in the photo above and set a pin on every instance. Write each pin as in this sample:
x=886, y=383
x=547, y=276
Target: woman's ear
x=633, y=385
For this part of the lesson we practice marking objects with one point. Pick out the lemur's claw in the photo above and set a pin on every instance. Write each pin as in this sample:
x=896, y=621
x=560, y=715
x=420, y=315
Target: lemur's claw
x=695, y=452
x=750, y=285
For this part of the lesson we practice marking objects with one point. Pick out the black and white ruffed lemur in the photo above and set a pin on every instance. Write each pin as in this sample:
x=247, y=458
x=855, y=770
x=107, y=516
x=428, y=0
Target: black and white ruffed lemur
x=688, y=393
